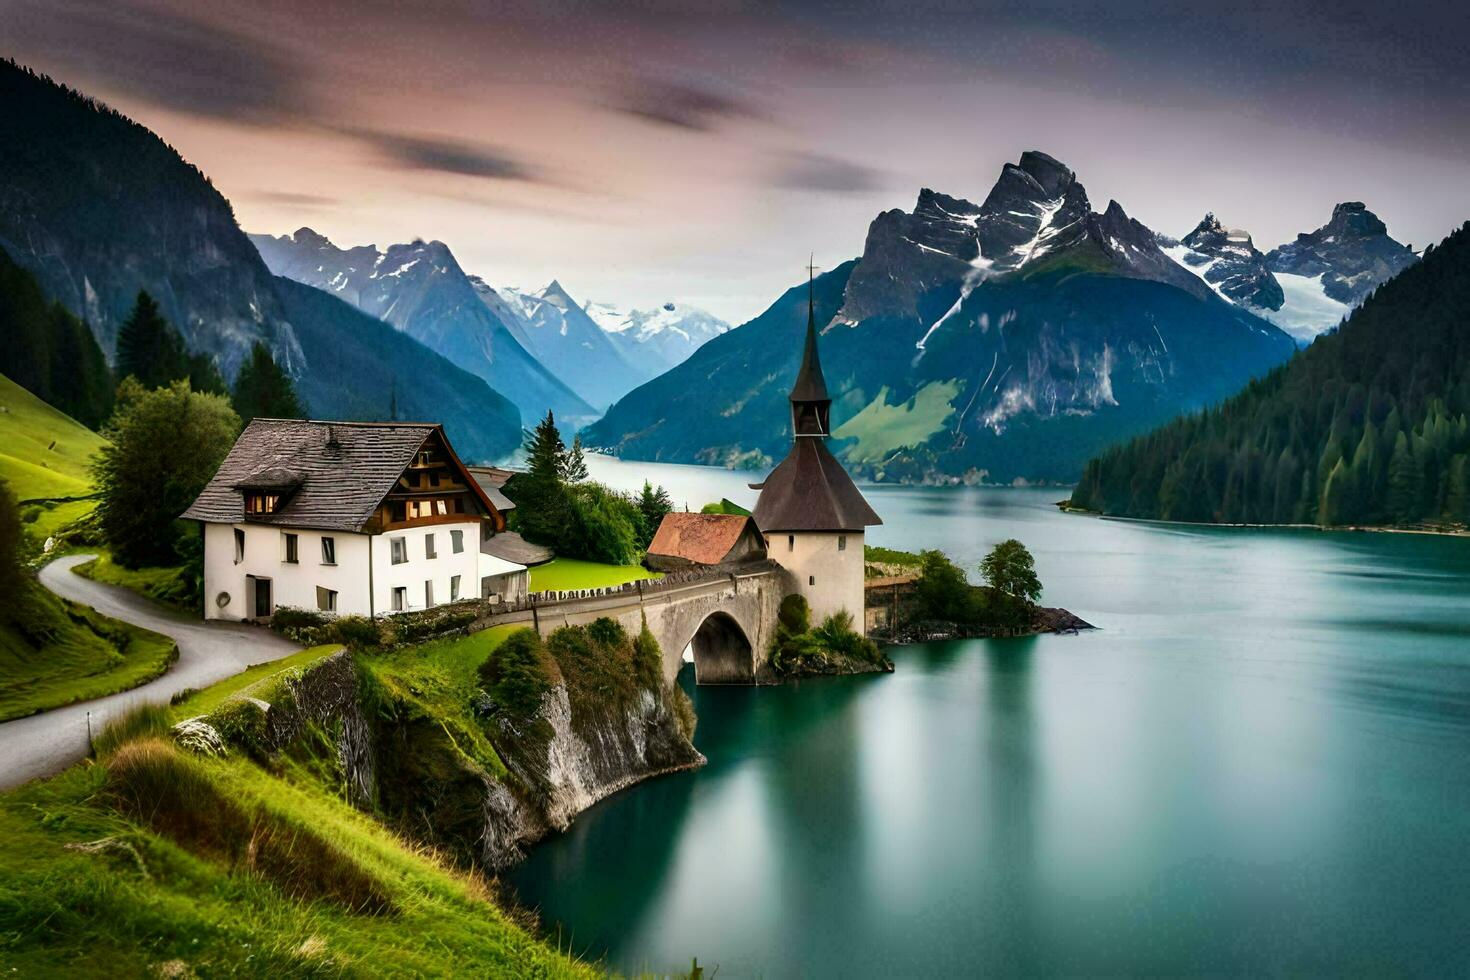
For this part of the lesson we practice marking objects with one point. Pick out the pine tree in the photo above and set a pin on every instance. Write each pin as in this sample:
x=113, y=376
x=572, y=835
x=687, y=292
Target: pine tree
x=574, y=463
x=545, y=452
x=263, y=390
x=148, y=348
x=653, y=504
x=1403, y=483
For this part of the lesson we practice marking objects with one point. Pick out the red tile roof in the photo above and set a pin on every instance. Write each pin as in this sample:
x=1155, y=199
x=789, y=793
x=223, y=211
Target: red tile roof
x=701, y=538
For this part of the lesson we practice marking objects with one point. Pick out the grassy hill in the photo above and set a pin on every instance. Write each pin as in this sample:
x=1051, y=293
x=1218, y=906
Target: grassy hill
x=44, y=454
x=156, y=861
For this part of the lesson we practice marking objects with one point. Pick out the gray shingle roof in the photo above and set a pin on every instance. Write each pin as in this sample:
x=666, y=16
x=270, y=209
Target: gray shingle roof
x=810, y=491
x=346, y=469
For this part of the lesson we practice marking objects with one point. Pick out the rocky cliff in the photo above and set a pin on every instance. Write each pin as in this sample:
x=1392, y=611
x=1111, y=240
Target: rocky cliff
x=474, y=780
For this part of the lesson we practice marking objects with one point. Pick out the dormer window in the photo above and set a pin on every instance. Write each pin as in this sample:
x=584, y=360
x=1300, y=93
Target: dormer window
x=262, y=503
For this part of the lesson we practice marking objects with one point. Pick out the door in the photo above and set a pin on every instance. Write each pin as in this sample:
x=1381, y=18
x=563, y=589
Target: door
x=262, y=598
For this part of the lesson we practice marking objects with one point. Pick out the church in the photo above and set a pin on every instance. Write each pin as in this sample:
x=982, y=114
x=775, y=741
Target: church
x=812, y=514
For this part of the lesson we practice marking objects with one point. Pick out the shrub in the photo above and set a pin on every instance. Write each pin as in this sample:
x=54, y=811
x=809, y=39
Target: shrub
x=357, y=632
x=648, y=659
x=795, y=616
x=141, y=721
x=241, y=722
x=683, y=711
x=288, y=618
x=517, y=675
x=836, y=635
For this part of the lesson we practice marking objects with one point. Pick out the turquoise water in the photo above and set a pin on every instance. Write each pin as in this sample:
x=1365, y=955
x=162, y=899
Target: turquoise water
x=1258, y=764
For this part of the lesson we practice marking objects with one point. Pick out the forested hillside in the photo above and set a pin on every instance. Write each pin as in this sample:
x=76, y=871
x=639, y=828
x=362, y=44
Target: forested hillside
x=1366, y=426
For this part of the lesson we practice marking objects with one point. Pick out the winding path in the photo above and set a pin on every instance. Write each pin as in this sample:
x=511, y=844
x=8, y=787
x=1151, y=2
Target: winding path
x=208, y=652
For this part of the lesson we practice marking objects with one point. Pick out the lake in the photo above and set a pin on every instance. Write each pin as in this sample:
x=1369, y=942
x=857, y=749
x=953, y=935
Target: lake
x=1259, y=763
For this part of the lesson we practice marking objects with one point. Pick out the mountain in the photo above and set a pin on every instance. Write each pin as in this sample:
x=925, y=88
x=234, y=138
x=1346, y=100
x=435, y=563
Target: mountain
x=94, y=207
x=1368, y=425
x=1352, y=254
x=97, y=207
x=562, y=335
x=420, y=288
x=1004, y=341
x=362, y=369
x=1228, y=260
x=662, y=337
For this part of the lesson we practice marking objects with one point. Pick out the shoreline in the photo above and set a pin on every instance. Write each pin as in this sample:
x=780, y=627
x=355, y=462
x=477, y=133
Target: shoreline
x=1326, y=529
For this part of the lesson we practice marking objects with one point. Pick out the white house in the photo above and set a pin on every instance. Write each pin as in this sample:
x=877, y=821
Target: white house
x=352, y=518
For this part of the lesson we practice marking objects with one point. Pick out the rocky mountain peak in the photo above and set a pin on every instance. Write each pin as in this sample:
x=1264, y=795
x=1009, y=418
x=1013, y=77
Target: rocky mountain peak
x=1229, y=261
x=1051, y=175
x=1352, y=254
x=310, y=239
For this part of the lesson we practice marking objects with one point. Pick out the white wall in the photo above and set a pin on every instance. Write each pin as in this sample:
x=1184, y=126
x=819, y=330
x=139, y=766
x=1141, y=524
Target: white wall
x=418, y=569
x=830, y=578
x=291, y=585
x=296, y=584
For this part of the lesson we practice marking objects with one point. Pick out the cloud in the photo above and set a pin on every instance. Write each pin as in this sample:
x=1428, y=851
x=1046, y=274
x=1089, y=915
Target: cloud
x=445, y=156
x=293, y=199
x=682, y=106
x=161, y=56
x=825, y=175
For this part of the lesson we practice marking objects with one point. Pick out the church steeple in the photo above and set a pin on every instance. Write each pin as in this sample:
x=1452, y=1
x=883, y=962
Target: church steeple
x=811, y=406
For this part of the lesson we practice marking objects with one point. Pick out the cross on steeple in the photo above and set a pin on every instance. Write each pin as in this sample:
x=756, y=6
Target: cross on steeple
x=809, y=402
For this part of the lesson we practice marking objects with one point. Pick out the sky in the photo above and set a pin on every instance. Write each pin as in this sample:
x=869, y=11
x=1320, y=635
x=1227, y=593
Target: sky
x=657, y=150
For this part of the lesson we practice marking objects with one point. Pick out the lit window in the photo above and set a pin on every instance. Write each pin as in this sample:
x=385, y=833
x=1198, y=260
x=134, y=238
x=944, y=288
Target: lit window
x=456, y=541
x=400, y=599
x=428, y=593
x=441, y=508
x=400, y=550
x=841, y=542
x=261, y=503
x=239, y=545
x=329, y=551
x=429, y=551
x=454, y=588
x=291, y=550
x=326, y=599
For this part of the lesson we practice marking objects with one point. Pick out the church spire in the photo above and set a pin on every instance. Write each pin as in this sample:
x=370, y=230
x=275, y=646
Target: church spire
x=810, y=403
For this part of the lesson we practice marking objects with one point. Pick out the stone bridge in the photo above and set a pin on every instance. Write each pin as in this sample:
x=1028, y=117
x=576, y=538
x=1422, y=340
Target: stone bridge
x=727, y=614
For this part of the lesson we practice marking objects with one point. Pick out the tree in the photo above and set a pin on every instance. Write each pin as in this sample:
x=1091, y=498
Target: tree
x=942, y=591
x=14, y=548
x=263, y=390
x=653, y=504
x=574, y=463
x=545, y=451
x=203, y=375
x=148, y=348
x=1009, y=568
x=164, y=445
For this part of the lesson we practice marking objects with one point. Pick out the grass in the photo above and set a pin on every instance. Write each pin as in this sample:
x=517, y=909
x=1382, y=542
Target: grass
x=570, y=573
x=153, y=862
x=162, y=585
x=60, y=653
x=441, y=678
x=44, y=453
x=250, y=679
x=881, y=428
x=891, y=556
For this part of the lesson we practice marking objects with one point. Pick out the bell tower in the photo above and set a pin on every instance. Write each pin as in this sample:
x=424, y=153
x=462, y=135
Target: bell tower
x=812, y=515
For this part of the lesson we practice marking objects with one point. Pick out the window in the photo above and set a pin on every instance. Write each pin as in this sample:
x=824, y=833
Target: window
x=400, y=550
x=239, y=545
x=811, y=580
x=400, y=599
x=459, y=505
x=454, y=588
x=290, y=542
x=456, y=541
x=428, y=593
x=399, y=511
x=261, y=503
x=790, y=542
x=326, y=599
x=441, y=508
x=429, y=551
x=433, y=479
x=329, y=551
x=841, y=542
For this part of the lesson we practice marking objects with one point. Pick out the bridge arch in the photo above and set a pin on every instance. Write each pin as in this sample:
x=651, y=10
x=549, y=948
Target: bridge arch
x=723, y=653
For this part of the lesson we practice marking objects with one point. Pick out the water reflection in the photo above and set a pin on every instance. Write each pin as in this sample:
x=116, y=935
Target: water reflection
x=1257, y=766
